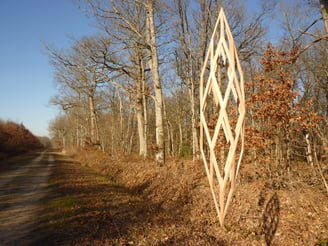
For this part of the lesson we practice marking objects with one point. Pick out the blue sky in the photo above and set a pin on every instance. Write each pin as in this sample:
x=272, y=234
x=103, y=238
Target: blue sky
x=26, y=77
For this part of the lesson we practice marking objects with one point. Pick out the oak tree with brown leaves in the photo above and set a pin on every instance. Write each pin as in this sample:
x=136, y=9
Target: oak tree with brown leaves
x=277, y=118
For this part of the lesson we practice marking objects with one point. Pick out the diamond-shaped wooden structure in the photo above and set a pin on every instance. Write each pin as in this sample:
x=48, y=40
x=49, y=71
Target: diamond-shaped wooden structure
x=222, y=113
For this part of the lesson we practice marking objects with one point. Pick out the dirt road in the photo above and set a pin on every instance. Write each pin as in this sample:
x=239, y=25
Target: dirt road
x=22, y=188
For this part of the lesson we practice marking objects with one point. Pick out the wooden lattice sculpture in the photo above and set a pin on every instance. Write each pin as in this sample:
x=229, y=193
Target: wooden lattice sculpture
x=222, y=113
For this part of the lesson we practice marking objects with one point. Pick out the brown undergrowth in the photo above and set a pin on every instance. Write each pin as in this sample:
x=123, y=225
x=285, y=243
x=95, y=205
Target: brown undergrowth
x=134, y=202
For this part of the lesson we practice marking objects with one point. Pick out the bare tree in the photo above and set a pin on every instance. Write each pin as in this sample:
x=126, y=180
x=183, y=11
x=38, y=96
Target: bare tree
x=77, y=70
x=59, y=130
x=154, y=66
x=131, y=24
x=186, y=66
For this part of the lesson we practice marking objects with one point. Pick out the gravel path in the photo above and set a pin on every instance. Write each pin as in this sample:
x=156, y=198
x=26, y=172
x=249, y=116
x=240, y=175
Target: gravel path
x=21, y=193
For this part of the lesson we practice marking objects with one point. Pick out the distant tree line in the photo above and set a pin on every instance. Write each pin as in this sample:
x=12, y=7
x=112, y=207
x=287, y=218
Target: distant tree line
x=15, y=139
x=134, y=88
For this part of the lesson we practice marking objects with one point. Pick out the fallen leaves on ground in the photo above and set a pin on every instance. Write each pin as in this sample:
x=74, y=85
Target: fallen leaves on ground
x=135, y=202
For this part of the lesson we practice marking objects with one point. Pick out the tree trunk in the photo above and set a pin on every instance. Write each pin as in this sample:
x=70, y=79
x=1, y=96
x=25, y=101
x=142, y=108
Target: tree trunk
x=288, y=151
x=195, y=142
x=64, y=143
x=123, y=133
x=113, y=148
x=141, y=108
x=308, y=149
x=169, y=133
x=94, y=137
x=129, y=134
x=141, y=129
x=153, y=64
x=78, y=133
x=180, y=138
x=324, y=12
x=145, y=126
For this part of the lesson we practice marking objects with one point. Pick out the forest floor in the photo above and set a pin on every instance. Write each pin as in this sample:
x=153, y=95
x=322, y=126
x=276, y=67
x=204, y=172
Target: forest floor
x=97, y=200
x=107, y=201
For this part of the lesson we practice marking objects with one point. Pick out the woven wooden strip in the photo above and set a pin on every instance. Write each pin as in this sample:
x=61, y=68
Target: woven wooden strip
x=220, y=158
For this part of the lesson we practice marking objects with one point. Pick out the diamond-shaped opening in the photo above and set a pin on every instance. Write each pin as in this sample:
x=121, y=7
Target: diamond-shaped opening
x=221, y=73
x=206, y=73
x=233, y=103
x=211, y=112
x=239, y=150
x=215, y=40
x=221, y=151
x=232, y=114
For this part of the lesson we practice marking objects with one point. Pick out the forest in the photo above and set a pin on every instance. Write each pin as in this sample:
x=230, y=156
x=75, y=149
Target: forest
x=130, y=102
x=133, y=89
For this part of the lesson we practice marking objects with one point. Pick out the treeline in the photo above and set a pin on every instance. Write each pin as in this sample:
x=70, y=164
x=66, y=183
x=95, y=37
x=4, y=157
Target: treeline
x=134, y=88
x=15, y=139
